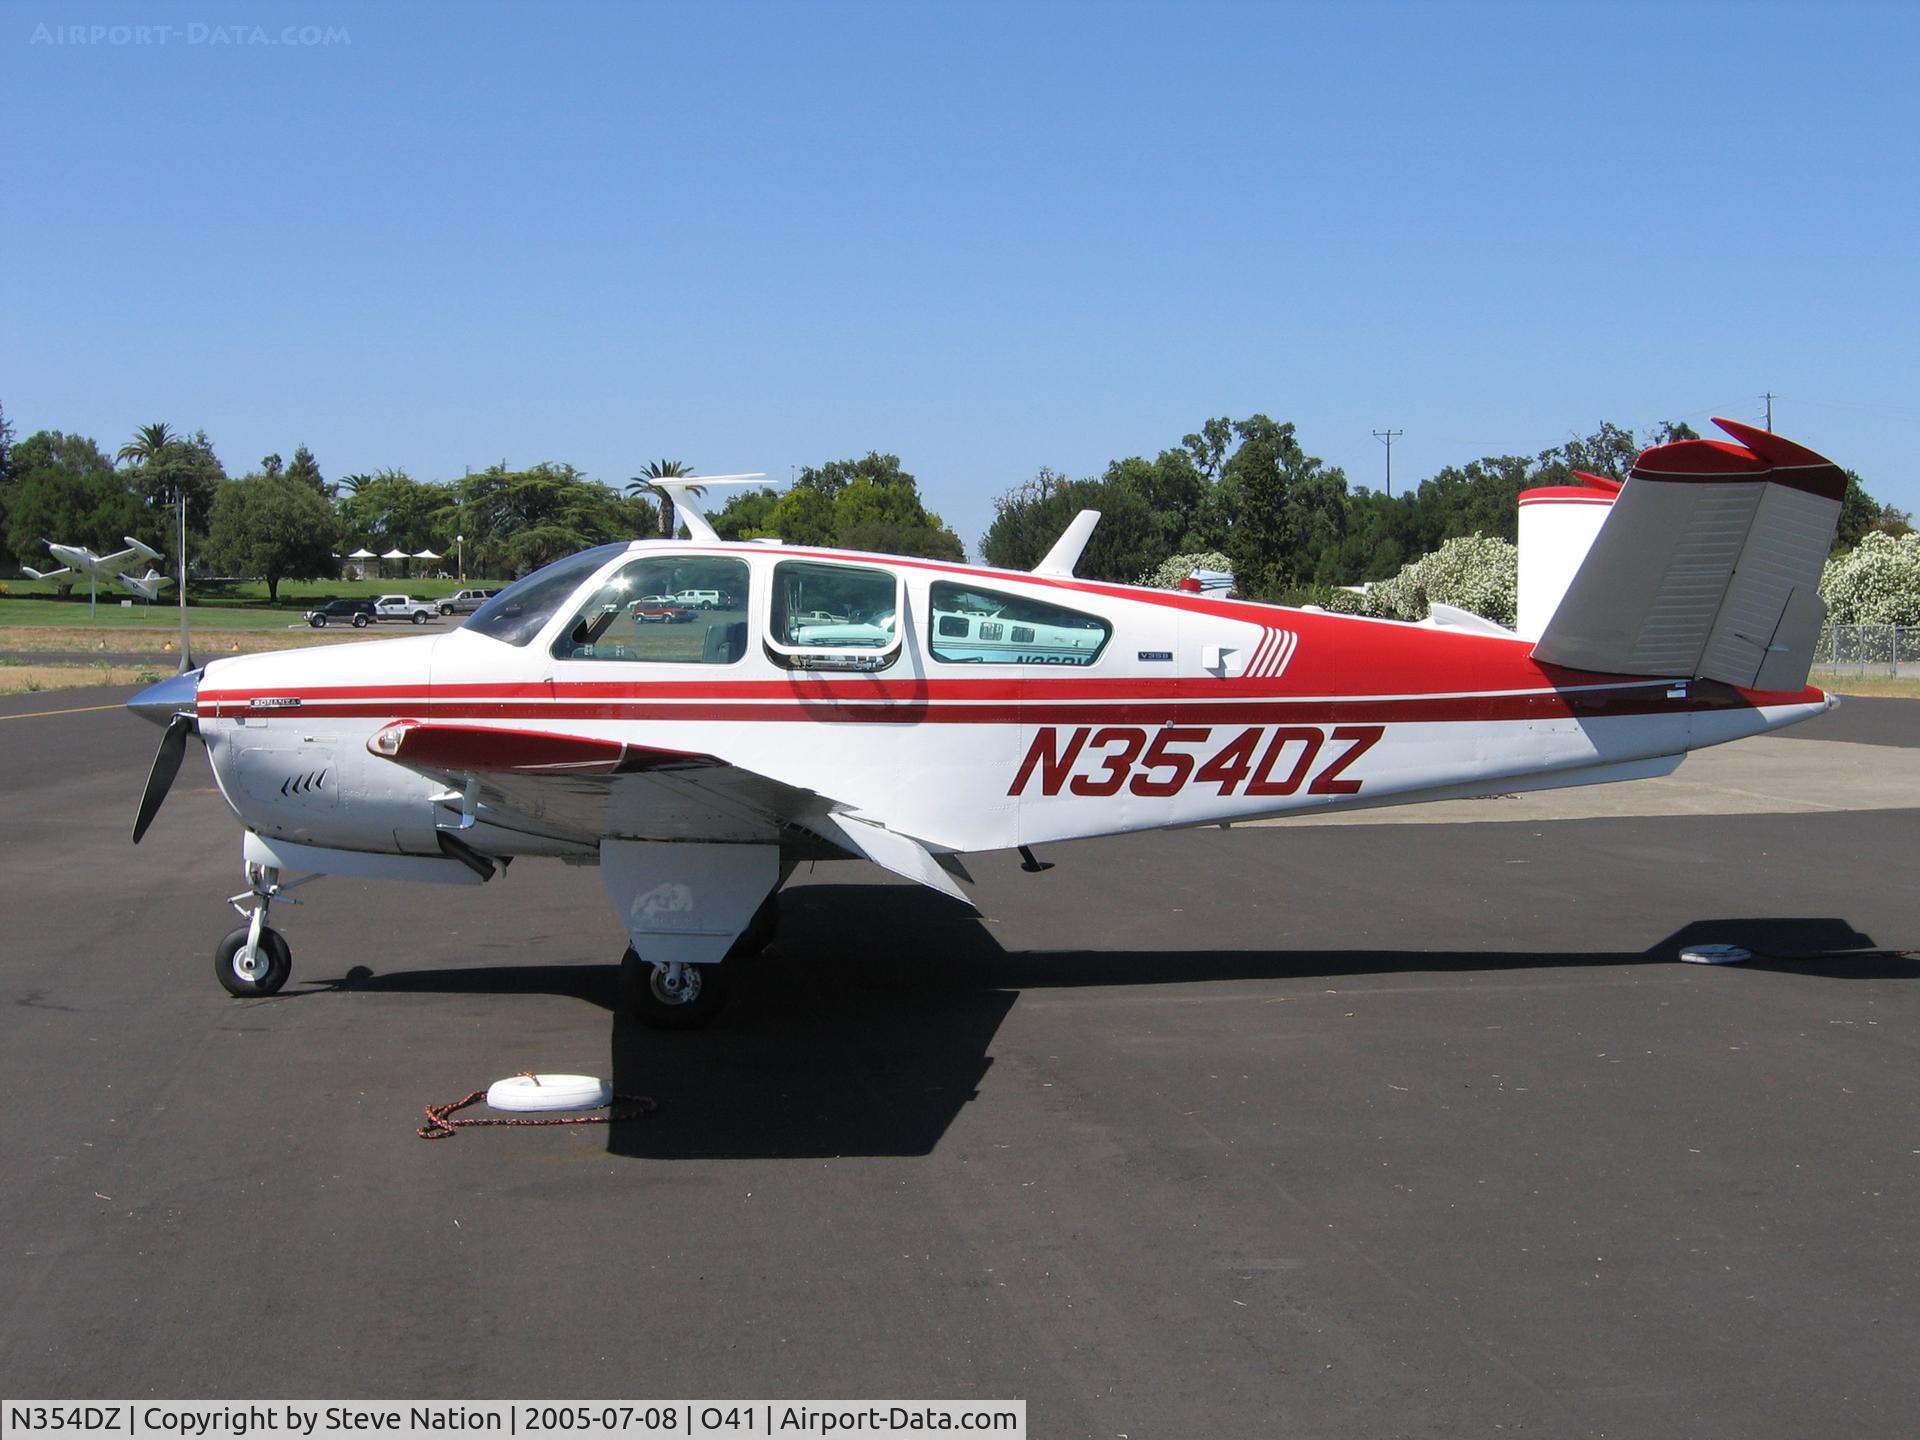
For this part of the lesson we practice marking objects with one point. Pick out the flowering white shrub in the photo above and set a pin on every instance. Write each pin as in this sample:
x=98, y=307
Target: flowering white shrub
x=1478, y=573
x=1169, y=574
x=1876, y=583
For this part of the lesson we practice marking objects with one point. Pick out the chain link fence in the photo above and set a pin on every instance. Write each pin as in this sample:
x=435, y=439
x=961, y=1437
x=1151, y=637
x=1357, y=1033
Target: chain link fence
x=1868, y=650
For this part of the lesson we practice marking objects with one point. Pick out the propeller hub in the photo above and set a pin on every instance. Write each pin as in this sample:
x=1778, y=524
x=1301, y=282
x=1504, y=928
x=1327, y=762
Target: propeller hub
x=172, y=696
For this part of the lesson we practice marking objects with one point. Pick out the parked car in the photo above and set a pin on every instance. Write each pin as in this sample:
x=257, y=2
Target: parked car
x=357, y=613
x=403, y=607
x=465, y=602
x=702, y=599
x=660, y=609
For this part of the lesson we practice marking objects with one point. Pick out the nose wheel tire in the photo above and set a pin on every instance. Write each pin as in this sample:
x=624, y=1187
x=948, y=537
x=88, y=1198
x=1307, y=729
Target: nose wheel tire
x=669, y=997
x=249, y=973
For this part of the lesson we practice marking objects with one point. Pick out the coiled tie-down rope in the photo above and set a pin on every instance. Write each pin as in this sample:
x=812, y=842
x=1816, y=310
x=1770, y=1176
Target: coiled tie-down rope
x=440, y=1124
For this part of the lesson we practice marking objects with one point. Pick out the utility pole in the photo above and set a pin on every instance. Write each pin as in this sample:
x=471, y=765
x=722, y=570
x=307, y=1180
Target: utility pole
x=1387, y=437
x=186, y=651
x=1768, y=397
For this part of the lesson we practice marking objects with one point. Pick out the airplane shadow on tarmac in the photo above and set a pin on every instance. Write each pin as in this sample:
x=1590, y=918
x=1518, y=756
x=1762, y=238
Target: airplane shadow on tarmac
x=877, y=1052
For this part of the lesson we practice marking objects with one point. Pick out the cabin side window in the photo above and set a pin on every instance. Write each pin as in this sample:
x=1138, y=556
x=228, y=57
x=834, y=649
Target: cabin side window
x=666, y=609
x=972, y=626
x=833, y=617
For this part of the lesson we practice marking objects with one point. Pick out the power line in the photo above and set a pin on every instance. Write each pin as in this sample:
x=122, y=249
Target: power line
x=1387, y=437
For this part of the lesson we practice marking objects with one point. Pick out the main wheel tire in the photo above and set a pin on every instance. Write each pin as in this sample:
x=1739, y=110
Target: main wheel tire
x=419, y=617
x=359, y=622
x=643, y=993
x=446, y=609
x=319, y=622
x=227, y=964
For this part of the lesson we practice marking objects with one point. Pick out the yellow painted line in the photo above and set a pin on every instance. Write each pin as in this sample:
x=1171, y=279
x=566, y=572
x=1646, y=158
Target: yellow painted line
x=77, y=710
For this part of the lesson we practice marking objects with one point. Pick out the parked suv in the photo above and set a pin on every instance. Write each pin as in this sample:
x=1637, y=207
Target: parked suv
x=465, y=602
x=357, y=613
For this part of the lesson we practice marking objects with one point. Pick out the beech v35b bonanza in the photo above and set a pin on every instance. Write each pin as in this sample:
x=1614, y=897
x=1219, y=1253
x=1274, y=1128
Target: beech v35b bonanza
x=825, y=704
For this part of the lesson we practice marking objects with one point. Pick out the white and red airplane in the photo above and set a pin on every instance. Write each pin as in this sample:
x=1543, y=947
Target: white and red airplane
x=77, y=559
x=830, y=704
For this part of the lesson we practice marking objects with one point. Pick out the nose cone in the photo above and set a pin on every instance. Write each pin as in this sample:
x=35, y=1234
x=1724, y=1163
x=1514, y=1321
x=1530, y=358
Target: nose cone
x=160, y=703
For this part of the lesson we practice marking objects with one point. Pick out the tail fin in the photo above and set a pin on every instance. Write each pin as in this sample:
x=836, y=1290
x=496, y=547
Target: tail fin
x=1708, y=565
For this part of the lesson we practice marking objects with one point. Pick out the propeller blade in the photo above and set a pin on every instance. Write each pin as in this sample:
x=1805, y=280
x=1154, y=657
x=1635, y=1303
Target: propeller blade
x=166, y=765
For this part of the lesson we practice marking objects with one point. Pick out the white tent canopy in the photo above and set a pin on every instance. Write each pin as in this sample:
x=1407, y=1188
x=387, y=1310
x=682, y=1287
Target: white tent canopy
x=427, y=555
x=363, y=554
x=396, y=554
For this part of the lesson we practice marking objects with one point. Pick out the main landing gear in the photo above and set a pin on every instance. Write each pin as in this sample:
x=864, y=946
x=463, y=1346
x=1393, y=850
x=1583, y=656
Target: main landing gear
x=255, y=959
x=679, y=996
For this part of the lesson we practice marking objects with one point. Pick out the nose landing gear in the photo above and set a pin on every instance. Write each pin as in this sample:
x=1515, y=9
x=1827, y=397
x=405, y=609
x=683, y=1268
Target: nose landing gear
x=255, y=959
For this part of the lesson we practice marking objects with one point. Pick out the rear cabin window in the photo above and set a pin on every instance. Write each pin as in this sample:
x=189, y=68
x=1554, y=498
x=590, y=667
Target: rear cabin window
x=972, y=626
x=667, y=609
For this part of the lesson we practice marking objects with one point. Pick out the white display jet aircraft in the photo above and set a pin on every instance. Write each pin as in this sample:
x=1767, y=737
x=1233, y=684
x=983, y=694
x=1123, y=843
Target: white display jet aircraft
x=78, y=560
x=828, y=704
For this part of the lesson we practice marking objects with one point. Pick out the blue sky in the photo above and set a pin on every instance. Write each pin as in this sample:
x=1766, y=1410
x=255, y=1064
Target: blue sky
x=987, y=237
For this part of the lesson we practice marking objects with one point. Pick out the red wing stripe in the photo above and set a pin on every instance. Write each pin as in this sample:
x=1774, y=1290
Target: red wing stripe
x=488, y=750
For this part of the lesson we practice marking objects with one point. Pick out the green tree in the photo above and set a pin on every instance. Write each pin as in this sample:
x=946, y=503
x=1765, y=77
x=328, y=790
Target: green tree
x=165, y=464
x=275, y=526
x=517, y=520
x=68, y=490
x=1861, y=515
x=1290, y=512
x=306, y=469
x=748, y=515
x=866, y=504
x=1030, y=518
x=391, y=509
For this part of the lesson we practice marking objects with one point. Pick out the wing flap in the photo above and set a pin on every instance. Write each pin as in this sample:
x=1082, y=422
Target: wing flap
x=901, y=854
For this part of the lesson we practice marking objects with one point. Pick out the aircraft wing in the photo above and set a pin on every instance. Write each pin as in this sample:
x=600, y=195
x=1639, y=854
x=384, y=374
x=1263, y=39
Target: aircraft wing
x=586, y=789
x=33, y=574
x=135, y=553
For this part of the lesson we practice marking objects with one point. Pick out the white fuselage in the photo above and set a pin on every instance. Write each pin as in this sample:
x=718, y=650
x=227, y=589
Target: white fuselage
x=1197, y=711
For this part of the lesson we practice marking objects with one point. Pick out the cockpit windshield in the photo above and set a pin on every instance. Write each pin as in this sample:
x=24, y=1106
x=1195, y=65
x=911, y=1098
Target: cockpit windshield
x=521, y=611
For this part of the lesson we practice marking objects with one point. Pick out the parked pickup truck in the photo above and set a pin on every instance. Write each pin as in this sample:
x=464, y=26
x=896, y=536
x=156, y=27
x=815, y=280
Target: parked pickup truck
x=465, y=602
x=403, y=607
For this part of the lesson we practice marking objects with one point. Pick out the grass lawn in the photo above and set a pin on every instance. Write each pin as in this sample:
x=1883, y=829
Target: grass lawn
x=114, y=617
x=1898, y=687
x=18, y=679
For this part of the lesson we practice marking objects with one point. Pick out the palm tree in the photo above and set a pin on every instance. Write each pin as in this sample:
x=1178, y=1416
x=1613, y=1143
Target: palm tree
x=149, y=443
x=643, y=484
x=350, y=484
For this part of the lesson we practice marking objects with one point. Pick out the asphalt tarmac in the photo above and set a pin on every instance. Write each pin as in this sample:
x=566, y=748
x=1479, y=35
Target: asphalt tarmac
x=1362, y=1130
